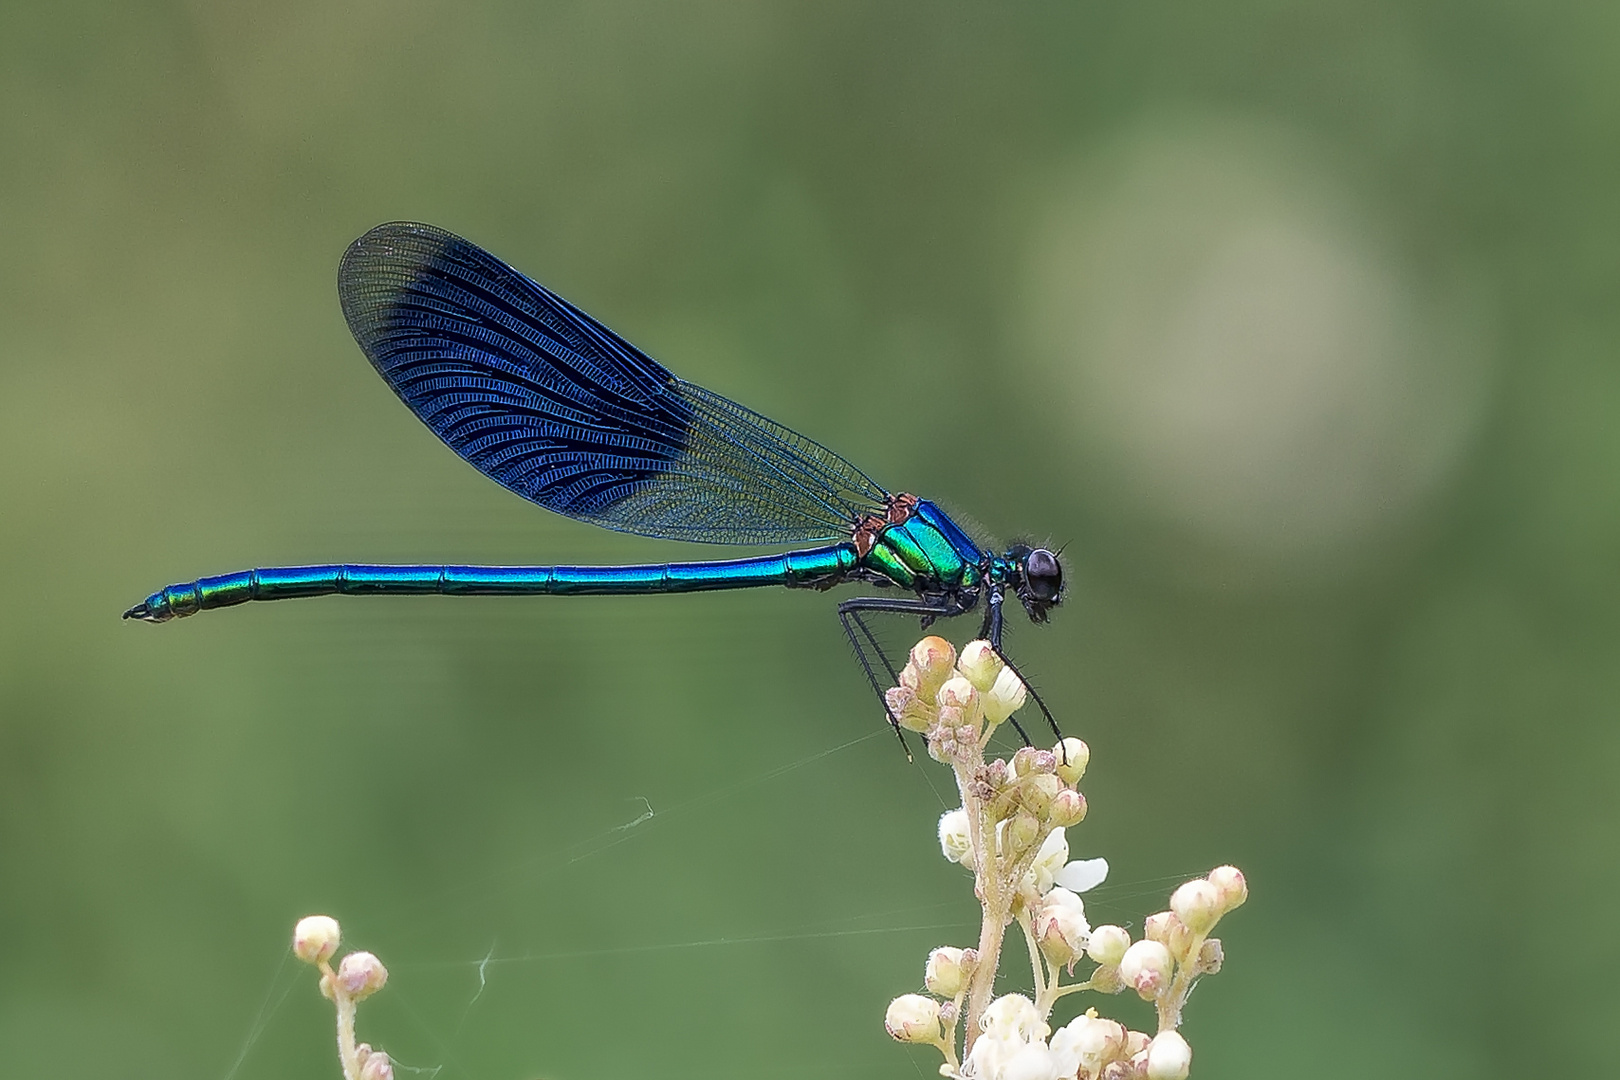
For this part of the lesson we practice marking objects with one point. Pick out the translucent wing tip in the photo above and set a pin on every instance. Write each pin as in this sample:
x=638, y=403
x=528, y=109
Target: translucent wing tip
x=383, y=261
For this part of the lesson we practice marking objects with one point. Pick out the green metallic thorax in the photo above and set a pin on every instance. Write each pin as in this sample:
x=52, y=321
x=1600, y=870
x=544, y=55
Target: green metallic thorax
x=926, y=553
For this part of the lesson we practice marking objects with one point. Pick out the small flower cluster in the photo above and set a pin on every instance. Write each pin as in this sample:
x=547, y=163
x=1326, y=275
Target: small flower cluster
x=358, y=976
x=1010, y=831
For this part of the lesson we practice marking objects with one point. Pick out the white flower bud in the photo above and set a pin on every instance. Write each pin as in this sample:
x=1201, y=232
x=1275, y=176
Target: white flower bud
x=1168, y=1057
x=1157, y=926
x=1107, y=945
x=1146, y=968
x=932, y=660
x=377, y=1067
x=316, y=938
x=1197, y=904
x=1136, y=1042
x=1004, y=698
x=913, y=1018
x=956, y=836
x=1073, y=756
x=1229, y=882
x=360, y=975
x=1068, y=807
x=980, y=665
x=947, y=971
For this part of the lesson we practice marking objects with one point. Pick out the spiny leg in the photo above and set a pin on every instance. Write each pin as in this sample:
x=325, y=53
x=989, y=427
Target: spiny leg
x=849, y=611
x=877, y=646
x=845, y=618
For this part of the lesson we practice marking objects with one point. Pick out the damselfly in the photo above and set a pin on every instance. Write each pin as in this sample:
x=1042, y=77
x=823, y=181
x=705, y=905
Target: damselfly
x=551, y=404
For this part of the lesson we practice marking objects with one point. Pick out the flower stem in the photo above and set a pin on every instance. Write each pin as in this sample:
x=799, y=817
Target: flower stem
x=1175, y=996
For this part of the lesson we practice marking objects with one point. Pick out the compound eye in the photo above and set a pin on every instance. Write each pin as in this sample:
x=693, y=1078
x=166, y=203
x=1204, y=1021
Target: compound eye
x=1044, y=576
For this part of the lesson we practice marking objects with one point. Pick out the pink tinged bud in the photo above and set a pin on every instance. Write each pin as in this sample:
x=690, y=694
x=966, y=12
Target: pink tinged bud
x=1072, y=758
x=947, y=1013
x=980, y=665
x=955, y=720
x=958, y=693
x=1168, y=1057
x=1229, y=882
x=1068, y=808
x=1117, y=1070
x=1061, y=931
x=913, y=1018
x=316, y=938
x=1146, y=968
x=1137, y=1042
x=932, y=660
x=1004, y=698
x=1107, y=945
x=1198, y=905
x=1037, y=792
x=377, y=1067
x=908, y=710
x=1029, y=760
x=360, y=975
x=947, y=971
x=1157, y=926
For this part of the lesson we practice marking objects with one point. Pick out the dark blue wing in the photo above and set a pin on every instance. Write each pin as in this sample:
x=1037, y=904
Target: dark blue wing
x=553, y=405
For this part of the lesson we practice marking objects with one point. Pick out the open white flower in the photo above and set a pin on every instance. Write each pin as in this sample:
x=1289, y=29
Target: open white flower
x=1014, y=1016
x=1049, y=860
x=1088, y=1042
x=1081, y=875
x=1030, y=1061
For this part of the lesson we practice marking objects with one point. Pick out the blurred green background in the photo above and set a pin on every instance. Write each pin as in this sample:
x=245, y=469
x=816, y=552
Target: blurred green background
x=1296, y=323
